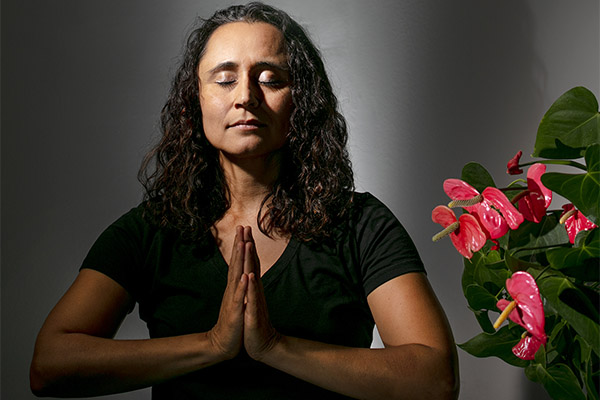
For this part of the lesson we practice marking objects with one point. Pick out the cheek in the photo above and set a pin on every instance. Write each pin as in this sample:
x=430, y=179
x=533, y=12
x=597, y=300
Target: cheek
x=283, y=108
x=213, y=108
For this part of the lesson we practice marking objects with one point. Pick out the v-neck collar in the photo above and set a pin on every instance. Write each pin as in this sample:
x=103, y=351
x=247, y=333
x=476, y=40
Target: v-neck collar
x=272, y=273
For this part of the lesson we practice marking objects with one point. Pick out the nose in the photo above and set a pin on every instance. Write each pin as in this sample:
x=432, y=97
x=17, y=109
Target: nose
x=248, y=94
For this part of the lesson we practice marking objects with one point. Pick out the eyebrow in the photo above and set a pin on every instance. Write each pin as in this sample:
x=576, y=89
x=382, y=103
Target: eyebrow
x=228, y=65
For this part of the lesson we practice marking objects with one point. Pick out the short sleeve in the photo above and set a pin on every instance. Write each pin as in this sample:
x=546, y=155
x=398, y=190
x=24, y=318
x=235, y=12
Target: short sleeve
x=117, y=252
x=386, y=250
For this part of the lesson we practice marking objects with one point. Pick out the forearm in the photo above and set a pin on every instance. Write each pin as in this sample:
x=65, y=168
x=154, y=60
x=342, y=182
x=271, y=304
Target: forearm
x=76, y=364
x=411, y=371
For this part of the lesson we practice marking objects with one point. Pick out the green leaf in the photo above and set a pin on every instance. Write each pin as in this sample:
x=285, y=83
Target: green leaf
x=498, y=344
x=583, y=190
x=540, y=356
x=558, y=380
x=557, y=340
x=586, y=349
x=572, y=305
x=569, y=126
x=516, y=264
x=580, y=262
x=590, y=380
x=477, y=176
x=487, y=271
x=484, y=320
x=479, y=298
x=529, y=236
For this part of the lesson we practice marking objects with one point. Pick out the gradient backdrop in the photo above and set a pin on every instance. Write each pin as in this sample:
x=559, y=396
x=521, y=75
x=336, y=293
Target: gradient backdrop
x=426, y=86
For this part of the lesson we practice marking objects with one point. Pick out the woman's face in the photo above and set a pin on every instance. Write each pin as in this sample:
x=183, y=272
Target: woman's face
x=245, y=92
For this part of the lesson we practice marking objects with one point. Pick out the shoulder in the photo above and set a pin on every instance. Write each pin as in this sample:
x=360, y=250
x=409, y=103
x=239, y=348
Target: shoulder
x=369, y=213
x=134, y=222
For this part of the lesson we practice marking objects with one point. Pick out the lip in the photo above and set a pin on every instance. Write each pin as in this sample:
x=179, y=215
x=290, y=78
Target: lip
x=247, y=124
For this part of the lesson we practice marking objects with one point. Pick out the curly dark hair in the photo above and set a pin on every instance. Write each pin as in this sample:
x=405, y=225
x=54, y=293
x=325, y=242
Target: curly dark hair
x=185, y=185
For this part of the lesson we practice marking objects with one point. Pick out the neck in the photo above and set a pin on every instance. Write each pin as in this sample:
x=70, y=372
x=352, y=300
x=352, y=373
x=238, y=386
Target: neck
x=249, y=180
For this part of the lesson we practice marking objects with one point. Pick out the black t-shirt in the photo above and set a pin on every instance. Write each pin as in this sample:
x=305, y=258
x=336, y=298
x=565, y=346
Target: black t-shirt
x=314, y=291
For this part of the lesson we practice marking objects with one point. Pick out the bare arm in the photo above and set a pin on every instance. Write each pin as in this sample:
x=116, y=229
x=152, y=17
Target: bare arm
x=419, y=359
x=75, y=353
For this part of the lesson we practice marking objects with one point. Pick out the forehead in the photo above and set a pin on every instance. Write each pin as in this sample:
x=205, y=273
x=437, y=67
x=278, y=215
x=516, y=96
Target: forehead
x=237, y=41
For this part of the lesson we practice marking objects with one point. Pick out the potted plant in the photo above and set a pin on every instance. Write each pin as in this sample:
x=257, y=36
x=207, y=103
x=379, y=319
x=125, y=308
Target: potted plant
x=536, y=267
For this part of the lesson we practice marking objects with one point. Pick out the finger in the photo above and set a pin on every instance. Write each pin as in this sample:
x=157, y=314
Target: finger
x=254, y=260
x=252, y=298
x=236, y=264
x=249, y=260
x=240, y=293
x=247, y=232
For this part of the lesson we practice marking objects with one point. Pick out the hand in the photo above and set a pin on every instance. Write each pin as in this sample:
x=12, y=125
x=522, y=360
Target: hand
x=259, y=335
x=227, y=335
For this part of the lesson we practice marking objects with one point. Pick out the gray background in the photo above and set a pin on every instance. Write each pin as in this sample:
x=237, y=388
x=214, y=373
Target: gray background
x=426, y=86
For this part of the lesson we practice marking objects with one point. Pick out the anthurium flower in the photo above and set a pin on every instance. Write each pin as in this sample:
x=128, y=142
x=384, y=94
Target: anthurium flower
x=535, y=201
x=525, y=309
x=465, y=232
x=575, y=221
x=492, y=208
x=512, y=168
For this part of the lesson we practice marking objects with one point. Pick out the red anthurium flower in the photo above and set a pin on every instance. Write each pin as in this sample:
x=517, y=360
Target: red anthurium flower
x=575, y=221
x=485, y=206
x=465, y=232
x=527, y=347
x=527, y=310
x=512, y=168
x=535, y=202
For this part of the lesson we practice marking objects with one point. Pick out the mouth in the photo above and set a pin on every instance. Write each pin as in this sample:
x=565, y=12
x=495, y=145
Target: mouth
x=247, y=124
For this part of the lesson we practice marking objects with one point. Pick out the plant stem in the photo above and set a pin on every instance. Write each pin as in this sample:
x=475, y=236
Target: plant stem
x=542, y=273
x=542, y=247
x=559, y=162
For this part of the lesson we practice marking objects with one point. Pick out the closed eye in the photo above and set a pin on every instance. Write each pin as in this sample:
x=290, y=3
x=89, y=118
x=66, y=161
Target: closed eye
x=273, y=83
x=225, y=83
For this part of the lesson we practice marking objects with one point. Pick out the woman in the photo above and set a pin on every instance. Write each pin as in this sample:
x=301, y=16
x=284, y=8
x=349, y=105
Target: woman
x=252, y=168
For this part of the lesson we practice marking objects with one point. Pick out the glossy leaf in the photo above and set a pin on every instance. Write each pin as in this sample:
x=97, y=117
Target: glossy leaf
x=591, y=382
x=483, y=319
x=479, y=298
x=583, y=190
x=530, y=237
x=562, y=295
x=477, y=176
x=516, y=264
x=486, y=271
x=581, y=262
x=586, y=349
x=559, y=381
x=569, y=126
x=498, y=344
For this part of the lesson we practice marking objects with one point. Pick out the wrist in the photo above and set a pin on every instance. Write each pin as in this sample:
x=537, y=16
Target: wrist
x=272, y=349
x=216, y=350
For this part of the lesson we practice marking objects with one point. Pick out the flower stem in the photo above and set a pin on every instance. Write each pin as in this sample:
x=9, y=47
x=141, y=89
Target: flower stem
x=550, y=246
x=511, y=306
x=559, y=162
x=448, y=230
x=519, y=196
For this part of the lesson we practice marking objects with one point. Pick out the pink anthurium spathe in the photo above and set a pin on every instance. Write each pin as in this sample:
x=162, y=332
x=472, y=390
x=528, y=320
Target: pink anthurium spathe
x=527, y=310
x=575, y=221
x=465, y=232
x=534, y=203
x=491, y=207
